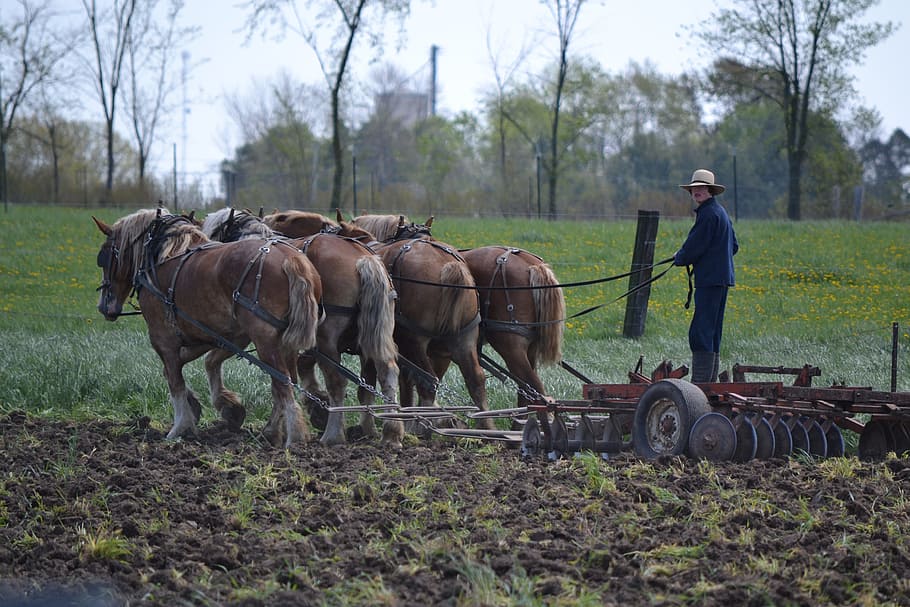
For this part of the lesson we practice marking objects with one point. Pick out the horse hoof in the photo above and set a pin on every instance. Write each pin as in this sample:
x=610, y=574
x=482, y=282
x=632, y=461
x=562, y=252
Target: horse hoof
x=234, y=417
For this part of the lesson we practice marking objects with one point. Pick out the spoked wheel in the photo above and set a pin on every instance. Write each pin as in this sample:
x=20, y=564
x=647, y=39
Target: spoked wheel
x=835, y=438
x=876, y=441
x=664, y=417
x=783, y=438
x=531, y=440
x=799, y=434
x=559, y=440
x=713, y=437
x=746, y=439
x=764, y=448
x=818, y=444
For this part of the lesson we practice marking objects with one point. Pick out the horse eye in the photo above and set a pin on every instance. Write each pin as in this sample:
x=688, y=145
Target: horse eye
x=102, y=258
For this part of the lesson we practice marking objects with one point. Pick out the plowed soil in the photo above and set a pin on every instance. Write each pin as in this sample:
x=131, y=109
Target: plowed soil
x=104, y=513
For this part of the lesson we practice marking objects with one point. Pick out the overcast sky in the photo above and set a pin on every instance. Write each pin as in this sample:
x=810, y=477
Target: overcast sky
x=612, y=32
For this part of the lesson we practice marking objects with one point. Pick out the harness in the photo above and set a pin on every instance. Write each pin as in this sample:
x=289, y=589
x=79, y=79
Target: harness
x=147, y=277
x=405, y=322
x=512, y=325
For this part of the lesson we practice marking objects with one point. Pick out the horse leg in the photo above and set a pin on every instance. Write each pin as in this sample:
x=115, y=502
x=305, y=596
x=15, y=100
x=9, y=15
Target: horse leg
x=464, y=354
x=415, y=350
x=286, y=423
x=226, y=402
x=315, y=396
x=519, y=360
x=392, y=429
x=387, y=373
x=182, y=399
x=335, y=384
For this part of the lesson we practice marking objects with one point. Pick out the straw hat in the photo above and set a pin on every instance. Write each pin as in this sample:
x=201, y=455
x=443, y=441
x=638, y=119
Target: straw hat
x=704, y=177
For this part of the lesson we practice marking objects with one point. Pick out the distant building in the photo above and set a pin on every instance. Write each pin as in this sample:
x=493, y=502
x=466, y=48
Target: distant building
x=405, y=107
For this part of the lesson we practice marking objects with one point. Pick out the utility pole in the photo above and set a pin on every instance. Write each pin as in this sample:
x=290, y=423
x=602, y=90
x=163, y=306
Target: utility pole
x=434, y=51
x=186, y=110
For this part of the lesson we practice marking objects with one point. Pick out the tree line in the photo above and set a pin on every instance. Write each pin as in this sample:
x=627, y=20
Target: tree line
x=774, y=115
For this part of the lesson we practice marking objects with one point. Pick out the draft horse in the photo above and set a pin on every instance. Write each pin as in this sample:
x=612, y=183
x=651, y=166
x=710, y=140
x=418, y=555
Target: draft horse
x=522, y=307
x=199, y=296
x=358, y=299
x=438, y=312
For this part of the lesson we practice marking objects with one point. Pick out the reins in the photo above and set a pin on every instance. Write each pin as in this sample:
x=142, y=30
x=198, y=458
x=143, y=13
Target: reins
x=581, y=283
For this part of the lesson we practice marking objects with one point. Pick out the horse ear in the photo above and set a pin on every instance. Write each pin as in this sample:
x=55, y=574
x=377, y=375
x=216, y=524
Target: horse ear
x=401, y=221
x=429, y=221
x=192, y=216
x=261, y=212
x=339, y=217
x=231, y=215
x=105, y=229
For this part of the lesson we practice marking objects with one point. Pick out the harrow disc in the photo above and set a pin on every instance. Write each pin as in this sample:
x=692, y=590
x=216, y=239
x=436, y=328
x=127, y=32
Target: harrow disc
x=900, y=433
x=531, y=441
x=559, y=438
x=799, y=434
x=783, y=438
x=836, y=445
x=764, y=434
x=713, y=437
x=664, y=416
x=818, y=444
x=746, y=439
x=876, y=441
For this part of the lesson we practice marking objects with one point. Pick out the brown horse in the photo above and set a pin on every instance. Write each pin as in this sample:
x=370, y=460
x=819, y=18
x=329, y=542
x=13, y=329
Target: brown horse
x=433, y=322
x=358, y=298
x=523, y=311
x=521, y=305
x=200, y=296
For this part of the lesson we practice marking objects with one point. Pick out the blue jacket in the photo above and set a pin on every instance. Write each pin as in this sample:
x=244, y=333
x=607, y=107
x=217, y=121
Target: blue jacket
x=710, y=246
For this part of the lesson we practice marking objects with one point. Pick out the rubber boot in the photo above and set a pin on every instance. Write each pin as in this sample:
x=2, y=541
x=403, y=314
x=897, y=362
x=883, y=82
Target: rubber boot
x=715, y=367
x=702, y=365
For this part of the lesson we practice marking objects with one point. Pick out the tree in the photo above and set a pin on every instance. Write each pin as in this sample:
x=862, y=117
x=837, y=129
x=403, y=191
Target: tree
x=110, y=32
x=565, y=14
x=151, y=49
x=279, y=161
x=29, y=53
x=795, y=53
x=504, y=74
x=331, y=31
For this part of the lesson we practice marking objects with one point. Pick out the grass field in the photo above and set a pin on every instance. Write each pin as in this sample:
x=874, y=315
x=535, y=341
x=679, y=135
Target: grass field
x=96, y=506
x=823, y=293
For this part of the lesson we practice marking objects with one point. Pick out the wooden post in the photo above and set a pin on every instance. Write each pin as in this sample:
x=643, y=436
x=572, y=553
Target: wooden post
x=642, y=259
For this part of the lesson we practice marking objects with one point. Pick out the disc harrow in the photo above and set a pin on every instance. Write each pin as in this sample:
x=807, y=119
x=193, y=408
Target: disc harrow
x=733, y=419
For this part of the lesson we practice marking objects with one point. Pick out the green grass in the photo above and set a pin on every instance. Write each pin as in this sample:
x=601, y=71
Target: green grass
x=822, y=293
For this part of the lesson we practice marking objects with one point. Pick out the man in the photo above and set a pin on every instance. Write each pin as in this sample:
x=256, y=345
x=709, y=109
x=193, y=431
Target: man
x=709, y=249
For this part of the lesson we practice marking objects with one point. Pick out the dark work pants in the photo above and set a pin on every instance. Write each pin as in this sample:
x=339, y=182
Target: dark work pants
x=707, y=324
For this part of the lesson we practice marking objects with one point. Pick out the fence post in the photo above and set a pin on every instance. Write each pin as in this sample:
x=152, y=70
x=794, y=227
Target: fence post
x=642, y=257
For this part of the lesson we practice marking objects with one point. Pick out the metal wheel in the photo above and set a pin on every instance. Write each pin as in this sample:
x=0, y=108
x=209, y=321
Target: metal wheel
x=836, y=445
x=875, y=441
x=764, y=434
x=664, y=417
x=585, y=434
x=612, y=433
x=713, y=437
x=783, y=438
x=531, y=440
x=818, y=444
x=900, y=433
x=799, y=434
x=746, y=439
x=559, y=439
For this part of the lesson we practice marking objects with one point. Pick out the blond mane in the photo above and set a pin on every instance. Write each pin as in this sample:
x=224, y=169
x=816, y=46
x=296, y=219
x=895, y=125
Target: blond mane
x=132, y=231
x=382, y=227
